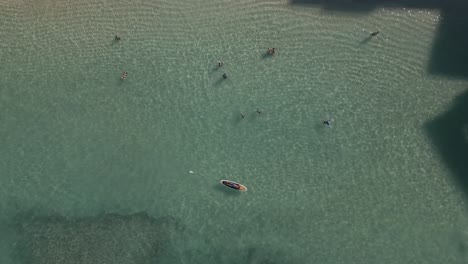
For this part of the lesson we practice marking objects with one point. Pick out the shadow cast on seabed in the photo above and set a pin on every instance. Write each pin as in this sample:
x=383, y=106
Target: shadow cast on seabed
x=226, y=190
x=449, y=134
x=266, y=55
x=366, y=40
x=449, y=54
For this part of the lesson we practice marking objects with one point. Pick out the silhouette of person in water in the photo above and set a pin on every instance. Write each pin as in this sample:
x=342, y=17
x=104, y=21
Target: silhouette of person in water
x=259, y=112
x=124, y=75
x=373, y=34
x=220, y=64
x=271, y=50
x=117, y=38
x=327, y=123
x=224, y=76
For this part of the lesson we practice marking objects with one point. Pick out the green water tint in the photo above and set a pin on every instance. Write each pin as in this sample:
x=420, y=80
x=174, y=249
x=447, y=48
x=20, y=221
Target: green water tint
x=96, y=170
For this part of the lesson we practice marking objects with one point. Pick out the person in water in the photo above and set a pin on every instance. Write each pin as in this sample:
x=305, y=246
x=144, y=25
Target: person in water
x=327, y=123
x=242, y=115
x=220, y=64
x=224, y=76
x=373, y=34
x=271, y=50
x=117, y=38
x=124, y=75
x=259, y=112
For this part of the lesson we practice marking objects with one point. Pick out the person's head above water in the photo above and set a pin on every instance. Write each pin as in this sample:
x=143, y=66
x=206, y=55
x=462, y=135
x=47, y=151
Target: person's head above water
x=224, y=75
x=327, y=122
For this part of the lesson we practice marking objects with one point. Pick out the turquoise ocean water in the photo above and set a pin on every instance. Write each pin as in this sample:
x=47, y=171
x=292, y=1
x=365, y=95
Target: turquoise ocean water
x=96, y=170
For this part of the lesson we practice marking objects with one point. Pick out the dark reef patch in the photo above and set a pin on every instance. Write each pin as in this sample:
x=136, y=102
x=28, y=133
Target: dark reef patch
x=110, y=238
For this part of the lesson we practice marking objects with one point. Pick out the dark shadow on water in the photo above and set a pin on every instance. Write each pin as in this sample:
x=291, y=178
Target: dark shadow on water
x=120, y=82
x=267, y=256
x=255, y=254
x=215, y=69
x=237, y=118
x=134, y=238
x=449, y=134
x=320, y=127
x=266, y=55
x=114, y=42
x=364, y=6
x=364, y=41
x=462, y=246
x=226, y=190
x=220, y=81
x=450, y=49
x=109, y=238
x=253, y=116
x=449, y=54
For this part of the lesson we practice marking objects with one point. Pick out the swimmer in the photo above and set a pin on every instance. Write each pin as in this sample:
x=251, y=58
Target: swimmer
x=220, y=64
x=259, y=112
x=124, y=75
x=327, y=123
x=242, y=115
x=224, y=76
x=373, y=34
x=117, y=38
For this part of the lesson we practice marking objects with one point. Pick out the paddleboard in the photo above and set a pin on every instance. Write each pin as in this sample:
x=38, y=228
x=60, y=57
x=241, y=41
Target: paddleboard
x=234, y=185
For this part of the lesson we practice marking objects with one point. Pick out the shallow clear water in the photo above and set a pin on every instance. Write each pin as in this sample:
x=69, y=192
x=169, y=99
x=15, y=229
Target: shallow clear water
x=96, y=170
